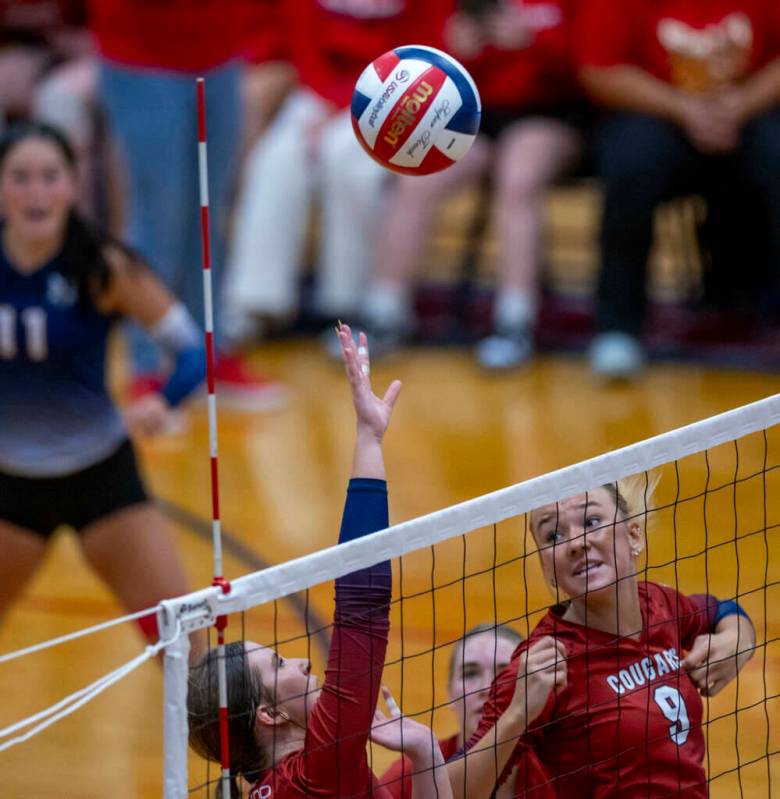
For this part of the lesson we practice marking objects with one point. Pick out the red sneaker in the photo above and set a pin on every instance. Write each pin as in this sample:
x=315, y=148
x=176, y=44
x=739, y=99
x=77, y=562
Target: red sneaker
x=242, y=389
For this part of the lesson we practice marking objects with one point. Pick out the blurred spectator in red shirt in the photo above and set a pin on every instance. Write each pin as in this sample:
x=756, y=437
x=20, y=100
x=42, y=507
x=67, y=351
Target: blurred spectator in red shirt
x=269, y=76
x=310, y=149
x=694, y=91
x=533, y=122
x=151, y=52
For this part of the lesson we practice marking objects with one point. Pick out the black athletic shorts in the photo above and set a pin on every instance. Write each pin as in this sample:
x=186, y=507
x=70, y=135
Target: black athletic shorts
x=42, y=504
x=495, y=120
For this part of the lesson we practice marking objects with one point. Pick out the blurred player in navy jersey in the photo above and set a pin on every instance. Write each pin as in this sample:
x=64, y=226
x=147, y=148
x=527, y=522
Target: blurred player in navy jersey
x=533, y=122
x=618, y=667
x=65, y=455
x=290, y=736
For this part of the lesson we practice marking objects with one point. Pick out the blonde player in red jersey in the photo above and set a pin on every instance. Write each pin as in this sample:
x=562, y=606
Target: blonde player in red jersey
x=618, y=668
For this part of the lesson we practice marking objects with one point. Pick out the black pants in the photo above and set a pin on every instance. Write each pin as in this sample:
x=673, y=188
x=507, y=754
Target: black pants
x=643, y=161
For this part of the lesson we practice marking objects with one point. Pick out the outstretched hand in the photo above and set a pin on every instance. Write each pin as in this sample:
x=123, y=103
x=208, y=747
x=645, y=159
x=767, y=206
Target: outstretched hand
x=542, y=670
x=373, y=414
x=146, y=416
x=401, y=733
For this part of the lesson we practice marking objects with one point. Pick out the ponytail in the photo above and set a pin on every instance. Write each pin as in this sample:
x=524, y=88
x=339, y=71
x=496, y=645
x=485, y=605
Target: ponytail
x=245, y=694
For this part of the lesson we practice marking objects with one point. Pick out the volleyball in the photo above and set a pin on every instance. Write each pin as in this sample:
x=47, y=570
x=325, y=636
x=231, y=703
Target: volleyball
x=416, y=110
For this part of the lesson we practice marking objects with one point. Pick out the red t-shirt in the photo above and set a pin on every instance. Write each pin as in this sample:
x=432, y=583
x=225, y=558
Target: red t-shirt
x=333, y=41
x=698, y=45
x=265, y=35
x=628, y=722
x=178, y=35
x=541, y=72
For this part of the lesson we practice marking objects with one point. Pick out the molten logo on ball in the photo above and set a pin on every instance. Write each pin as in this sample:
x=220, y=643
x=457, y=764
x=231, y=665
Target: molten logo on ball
x=415, y=110
x=407, y=113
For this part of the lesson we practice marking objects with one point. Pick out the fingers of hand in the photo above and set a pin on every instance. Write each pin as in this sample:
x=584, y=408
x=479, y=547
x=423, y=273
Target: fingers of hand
x=345, y=338
x=143, y=421
x=546, y=662
x=391, y=395
x=362, y=353
x=547, y=647
x=392, y=705
x=700, y=650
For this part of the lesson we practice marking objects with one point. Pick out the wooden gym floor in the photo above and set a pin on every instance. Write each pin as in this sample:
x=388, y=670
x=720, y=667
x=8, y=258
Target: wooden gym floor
x=457, y=434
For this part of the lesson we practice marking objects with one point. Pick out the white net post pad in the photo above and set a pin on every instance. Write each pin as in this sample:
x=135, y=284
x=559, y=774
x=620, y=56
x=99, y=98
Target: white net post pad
x=175, y=724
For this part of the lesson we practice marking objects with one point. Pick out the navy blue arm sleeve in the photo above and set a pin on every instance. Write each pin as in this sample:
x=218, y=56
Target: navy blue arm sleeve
x=189, y=371
x=364, y=596
x=728, y=607
x=365, y=510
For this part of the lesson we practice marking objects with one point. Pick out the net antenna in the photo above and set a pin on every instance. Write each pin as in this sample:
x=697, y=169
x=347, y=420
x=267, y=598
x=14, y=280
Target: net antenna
x=177, y=654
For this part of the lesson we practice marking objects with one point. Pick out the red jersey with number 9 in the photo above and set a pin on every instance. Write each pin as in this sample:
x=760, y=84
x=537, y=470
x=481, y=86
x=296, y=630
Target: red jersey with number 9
x=628, y=723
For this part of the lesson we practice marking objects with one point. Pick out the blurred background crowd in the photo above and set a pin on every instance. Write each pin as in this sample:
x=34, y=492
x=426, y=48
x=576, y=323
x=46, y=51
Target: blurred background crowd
x=652, y=115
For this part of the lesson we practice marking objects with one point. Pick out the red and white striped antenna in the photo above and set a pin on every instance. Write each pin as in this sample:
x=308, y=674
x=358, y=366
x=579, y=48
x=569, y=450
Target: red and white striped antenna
x=216, y=526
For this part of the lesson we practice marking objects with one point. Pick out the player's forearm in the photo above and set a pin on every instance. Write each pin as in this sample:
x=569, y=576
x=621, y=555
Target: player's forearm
x=628, y=88
x=739, y=629
x=762, y=90
x=476, y=774
x=429, y=773
x=367, y=457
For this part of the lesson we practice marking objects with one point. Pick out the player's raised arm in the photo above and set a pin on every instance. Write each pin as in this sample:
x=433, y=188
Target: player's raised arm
x=372, y=413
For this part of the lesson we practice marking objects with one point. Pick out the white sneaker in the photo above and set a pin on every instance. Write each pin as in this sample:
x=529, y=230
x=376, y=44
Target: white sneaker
x=500, y=352
x=616, y=356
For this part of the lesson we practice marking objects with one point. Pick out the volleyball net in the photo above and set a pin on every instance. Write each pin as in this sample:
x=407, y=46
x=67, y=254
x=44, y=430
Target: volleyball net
x=711, y=528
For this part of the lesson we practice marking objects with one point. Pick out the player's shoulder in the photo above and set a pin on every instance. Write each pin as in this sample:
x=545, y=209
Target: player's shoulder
x=282, y=776
x=661, y=598
x=658, y=592
x=554, y=625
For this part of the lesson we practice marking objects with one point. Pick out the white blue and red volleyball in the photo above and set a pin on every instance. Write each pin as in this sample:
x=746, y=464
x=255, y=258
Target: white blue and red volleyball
x=416, y=110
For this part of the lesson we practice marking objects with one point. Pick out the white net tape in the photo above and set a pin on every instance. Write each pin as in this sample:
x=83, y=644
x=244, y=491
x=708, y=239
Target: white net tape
x=327, y=564
x=418, y=534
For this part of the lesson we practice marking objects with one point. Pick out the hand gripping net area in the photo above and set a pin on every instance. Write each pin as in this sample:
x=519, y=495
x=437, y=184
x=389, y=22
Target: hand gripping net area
x=711, y=529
